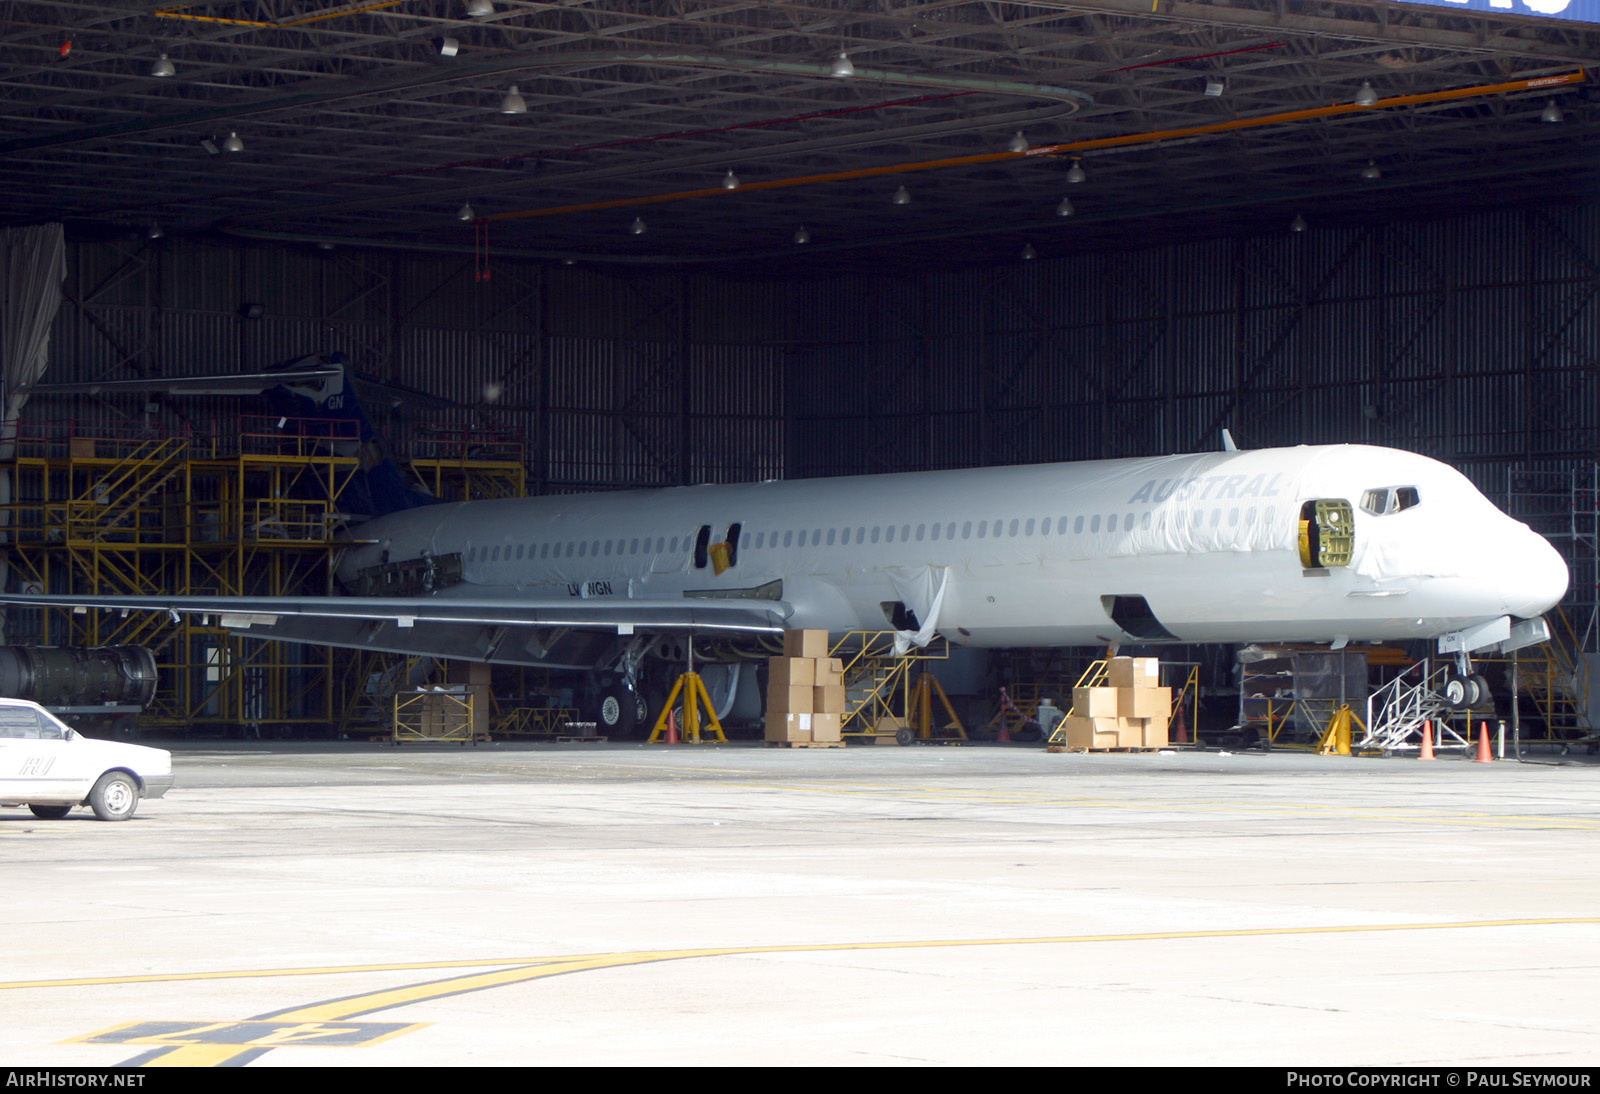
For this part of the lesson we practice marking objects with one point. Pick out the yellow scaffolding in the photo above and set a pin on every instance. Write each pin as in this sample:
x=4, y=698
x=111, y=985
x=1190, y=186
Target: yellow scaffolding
x=877, y=681
x=245, y=507
x=463, y=463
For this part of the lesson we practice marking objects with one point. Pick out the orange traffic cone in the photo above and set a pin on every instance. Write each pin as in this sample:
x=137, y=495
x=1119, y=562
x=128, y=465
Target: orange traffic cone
x=1427, y=741
x=1484, y=755
x=1180, y=735
x=672, y=727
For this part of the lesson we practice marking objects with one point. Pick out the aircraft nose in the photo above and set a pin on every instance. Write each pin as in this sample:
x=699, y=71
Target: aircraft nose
x=1535, y=578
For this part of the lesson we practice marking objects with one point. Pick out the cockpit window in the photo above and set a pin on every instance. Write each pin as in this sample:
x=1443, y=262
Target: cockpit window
x=1390, y=499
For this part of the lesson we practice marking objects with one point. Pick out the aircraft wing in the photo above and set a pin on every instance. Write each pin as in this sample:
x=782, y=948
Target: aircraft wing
x=503, y=630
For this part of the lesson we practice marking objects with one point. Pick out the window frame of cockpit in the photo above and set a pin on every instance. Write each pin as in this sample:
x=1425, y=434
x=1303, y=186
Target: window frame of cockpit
x=1394, y=500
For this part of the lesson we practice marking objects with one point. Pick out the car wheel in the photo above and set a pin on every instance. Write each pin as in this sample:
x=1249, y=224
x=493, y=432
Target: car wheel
x=114, y=797
x=50, y=812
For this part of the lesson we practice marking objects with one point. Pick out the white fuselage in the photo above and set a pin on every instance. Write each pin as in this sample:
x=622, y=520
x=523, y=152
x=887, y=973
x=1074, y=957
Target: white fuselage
x=1025, y=555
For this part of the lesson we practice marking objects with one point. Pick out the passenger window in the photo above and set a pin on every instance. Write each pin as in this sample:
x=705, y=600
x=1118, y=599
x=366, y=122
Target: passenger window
x=875, y=530
x=983, y=526
x=937, y=531
x=1013, y=531
x=1077, y=526
x=1027, y=529
x=702, y=544
x=921, y=530
x=1111, y=523
x=966, y=530
x=734, y=532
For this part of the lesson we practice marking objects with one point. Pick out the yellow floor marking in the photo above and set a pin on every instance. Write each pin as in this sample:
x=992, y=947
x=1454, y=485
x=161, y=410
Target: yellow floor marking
x=318, y=970
x=195, y=1056
x=978, y=797
x=571, y=961
x=217, y=1055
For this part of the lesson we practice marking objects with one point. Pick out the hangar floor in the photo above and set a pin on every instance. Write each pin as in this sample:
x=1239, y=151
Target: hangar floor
x=359, y=905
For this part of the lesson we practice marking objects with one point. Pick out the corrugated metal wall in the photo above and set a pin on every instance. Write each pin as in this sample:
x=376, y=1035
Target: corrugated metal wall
x=1473, y=339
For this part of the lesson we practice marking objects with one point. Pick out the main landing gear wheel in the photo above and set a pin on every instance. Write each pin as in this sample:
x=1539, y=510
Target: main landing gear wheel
x=618, y=713
x=1465, y=692
x=1485, y=697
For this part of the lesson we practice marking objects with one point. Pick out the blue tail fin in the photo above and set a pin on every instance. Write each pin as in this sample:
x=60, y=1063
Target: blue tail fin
x=378, y=485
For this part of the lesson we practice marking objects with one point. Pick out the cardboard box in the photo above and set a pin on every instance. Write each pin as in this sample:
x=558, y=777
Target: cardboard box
x=788, y=728
x=1091, y=732
x=828, y=700
x=825, y=727
x=1144, y=702
x=830, y=672
x=791, y=672
x=1134, y=672
x=80, y=448
x=1094, y=702
x=1155, y=733
x=805, y=643
x=1130, y=732
x=795, y=700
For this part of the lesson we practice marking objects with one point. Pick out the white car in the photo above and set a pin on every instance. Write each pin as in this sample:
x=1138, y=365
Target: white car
x=50, y=767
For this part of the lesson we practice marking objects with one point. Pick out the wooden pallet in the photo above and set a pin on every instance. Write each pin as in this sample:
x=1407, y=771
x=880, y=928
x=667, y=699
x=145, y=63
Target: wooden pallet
x=1097, y=751
x=805, y=744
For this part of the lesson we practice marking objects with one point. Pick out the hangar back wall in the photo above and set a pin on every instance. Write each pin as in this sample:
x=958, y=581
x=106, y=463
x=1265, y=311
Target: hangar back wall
x=1471, y=338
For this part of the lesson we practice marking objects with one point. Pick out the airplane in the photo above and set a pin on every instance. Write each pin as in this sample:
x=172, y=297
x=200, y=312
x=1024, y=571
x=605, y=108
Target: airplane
x=1325, y=543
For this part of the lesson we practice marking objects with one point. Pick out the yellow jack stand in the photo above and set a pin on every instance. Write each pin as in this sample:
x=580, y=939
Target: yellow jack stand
x=1336, y=738
x=920, y=707
x=694, y=693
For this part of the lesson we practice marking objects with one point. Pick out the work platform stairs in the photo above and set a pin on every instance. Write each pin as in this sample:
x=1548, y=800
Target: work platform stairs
x=110, y=507
x=878, y=681
x=1397, y=712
